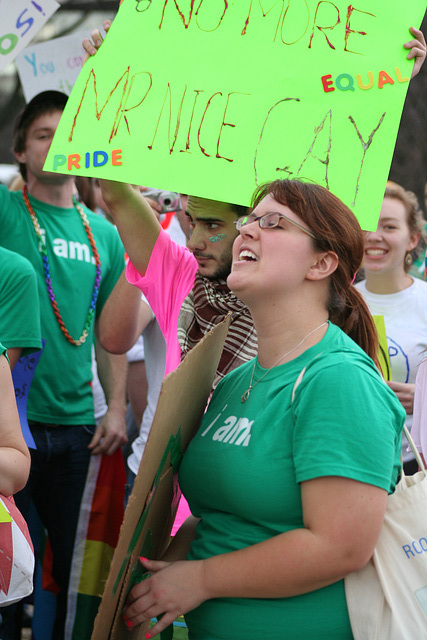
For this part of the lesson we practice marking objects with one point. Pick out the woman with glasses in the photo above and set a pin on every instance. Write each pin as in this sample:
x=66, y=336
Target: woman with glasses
x=286, y=497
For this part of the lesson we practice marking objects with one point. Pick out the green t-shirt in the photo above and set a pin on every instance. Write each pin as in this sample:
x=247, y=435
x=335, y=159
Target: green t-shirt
x=242, y=470
x=61, y=392
x=19, y=303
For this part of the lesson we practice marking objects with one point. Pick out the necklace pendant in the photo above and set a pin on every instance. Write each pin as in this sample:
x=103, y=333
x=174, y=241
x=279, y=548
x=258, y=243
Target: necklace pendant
x=245, y=396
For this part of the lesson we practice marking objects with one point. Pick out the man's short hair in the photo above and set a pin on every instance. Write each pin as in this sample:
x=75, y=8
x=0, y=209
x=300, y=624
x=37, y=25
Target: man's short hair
x=44, y=102
x=239, y=209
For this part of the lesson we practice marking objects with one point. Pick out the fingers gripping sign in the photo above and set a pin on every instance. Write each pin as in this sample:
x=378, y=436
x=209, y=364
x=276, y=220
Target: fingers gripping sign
x=91, y=46
x=417, y=48
x=169, y=589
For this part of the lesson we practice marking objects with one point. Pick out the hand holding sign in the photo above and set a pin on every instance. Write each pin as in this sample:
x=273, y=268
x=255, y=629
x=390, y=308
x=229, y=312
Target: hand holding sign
x=92, y=46
x=417, y=50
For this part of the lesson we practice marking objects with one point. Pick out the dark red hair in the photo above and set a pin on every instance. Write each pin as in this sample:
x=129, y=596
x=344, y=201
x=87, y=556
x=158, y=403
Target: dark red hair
x=336, y=229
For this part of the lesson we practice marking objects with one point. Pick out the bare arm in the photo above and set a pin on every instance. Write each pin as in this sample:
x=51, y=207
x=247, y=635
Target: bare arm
x=135, y=220
x=123, y=317
x=111, y=432
x=14, y=454
x=342, y=518
x=180, y=543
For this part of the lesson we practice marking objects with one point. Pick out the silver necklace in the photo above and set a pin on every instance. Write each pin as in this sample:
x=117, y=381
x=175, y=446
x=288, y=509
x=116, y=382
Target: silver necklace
x=246, y=394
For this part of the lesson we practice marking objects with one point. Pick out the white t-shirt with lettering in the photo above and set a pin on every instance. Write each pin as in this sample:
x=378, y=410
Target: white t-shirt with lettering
x=405, y=318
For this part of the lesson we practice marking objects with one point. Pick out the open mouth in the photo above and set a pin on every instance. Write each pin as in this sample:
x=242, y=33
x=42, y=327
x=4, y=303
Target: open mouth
x=247, y=256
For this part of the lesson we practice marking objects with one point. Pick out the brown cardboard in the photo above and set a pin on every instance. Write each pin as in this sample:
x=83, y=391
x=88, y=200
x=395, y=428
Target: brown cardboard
x=149, y=514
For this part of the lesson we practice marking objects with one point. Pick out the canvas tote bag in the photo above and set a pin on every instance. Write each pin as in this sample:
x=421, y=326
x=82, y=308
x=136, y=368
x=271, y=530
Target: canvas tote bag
x=16, y=554
x=387, y=599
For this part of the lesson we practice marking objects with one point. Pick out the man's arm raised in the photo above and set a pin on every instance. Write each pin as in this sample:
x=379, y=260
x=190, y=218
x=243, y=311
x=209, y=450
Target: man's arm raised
x=135, y=220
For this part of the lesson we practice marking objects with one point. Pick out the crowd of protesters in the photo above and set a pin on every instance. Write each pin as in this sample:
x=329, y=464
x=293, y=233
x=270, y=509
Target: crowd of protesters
x=110, y=325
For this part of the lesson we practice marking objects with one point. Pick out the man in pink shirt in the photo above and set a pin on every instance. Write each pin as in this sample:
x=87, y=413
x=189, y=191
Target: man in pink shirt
x=185, y=287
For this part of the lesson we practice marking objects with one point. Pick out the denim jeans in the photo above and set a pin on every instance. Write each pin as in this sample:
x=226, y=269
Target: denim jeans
x=57, y=479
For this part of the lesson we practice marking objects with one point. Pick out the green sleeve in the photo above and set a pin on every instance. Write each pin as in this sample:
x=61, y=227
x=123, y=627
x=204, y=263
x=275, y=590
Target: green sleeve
x=19, y=303
x=347, y=423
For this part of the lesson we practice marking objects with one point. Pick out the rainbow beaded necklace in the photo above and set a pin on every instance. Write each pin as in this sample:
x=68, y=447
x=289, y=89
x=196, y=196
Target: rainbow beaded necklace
x=91, y=312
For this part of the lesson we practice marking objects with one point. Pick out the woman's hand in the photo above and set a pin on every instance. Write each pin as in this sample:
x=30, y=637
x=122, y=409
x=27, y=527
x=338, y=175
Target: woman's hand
x=417, y=49
x=342, y=522
x=405, y=394
x=172, y=589
x=92, y=46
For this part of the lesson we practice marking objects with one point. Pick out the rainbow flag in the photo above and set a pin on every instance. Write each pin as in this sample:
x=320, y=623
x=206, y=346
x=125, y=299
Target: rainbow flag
x=101, y=515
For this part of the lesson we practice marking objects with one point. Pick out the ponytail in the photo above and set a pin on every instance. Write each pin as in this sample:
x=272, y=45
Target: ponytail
x=349, y=311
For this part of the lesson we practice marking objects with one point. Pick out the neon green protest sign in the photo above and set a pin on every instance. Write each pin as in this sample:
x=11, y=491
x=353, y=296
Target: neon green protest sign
x=214, y=97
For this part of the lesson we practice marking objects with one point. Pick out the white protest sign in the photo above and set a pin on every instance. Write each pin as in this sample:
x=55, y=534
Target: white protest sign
x=51, y=65
x=20, y=20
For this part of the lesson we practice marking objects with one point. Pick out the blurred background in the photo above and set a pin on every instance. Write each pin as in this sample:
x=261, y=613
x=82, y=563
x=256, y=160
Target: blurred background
x=409, y=166
x=73, y=16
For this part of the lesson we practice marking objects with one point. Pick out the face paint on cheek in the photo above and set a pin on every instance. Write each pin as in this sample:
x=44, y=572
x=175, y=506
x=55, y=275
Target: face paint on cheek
x=218, y=237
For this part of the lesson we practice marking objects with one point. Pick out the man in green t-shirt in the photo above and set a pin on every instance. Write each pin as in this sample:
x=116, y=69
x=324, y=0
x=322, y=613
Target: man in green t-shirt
x=77, y=257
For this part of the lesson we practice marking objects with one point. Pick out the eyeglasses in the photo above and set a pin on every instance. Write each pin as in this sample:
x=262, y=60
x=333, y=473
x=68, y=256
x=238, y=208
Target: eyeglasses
x=269, y=221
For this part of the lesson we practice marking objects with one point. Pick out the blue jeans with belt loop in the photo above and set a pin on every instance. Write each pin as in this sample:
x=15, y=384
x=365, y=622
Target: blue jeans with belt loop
x=57, y=479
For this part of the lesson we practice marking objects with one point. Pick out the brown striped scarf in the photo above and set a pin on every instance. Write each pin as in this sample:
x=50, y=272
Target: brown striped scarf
x=206, y=305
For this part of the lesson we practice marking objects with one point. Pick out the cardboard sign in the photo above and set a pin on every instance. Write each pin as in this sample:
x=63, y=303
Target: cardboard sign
x=214, y=98
x=22, y=376
x=151, y=508
x=52, y=65
x=4, y=514
x=20, y=20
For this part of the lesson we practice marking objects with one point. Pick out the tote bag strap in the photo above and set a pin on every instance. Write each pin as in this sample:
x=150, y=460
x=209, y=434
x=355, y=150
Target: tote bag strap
x=414, y=451
x=300, y=377
x=405, y=428
x=297, y=383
